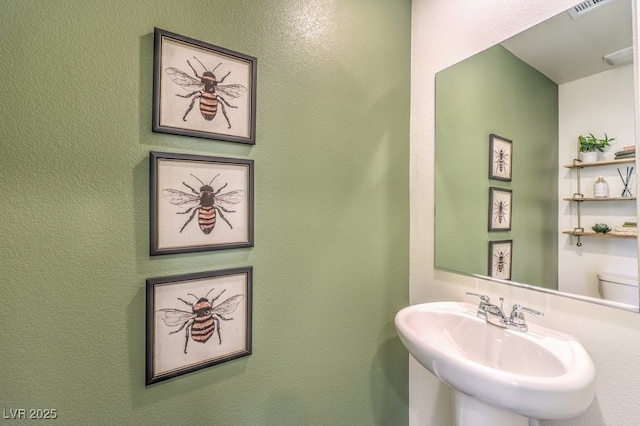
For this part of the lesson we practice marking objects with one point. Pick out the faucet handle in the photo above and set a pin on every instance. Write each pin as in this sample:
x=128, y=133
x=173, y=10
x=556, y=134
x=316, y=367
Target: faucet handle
x=517, y=321
x=482, y=297
x=518, y=309
x=482, y=308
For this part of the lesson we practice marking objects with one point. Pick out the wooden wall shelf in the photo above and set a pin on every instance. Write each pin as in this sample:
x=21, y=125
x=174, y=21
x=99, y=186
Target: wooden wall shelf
x=600, y=199
x=579, y=164
x=593, y=234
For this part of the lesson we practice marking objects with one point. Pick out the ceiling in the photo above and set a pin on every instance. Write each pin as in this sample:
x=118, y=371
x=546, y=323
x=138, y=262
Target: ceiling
x=565, y=49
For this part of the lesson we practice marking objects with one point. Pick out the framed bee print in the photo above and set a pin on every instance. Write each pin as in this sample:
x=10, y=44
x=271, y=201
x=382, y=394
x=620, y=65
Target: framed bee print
x=199, y=203
x=500, y=259
x=500, y=208
x=500, y=156
x=203, y=90
x=195, y=321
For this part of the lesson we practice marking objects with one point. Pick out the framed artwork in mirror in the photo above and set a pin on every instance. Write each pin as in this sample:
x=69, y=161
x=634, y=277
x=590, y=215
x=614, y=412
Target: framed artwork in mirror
x=500, y=259
x=500, y=208
x=203, y=90
x=500, y=156
x=198, y=320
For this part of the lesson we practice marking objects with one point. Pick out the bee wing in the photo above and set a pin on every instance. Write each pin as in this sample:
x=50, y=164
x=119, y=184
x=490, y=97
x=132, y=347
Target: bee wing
x=180, y=198
x=183, y=79
x=174, y=317
x=228, y=306
x=231, y=90
x=231, y=197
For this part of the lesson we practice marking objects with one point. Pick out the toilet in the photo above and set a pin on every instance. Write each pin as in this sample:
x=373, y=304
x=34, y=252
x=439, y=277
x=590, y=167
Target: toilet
x=618, y=288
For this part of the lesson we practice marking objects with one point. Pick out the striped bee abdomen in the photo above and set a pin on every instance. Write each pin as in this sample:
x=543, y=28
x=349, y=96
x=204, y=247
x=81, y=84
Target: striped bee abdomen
x=208, y=105
x=202, y=328
x=203, y=324
x=207, y=219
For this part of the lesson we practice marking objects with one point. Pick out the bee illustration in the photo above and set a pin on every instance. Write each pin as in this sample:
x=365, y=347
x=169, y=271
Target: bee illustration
x=207, y=203
x=208, y=90
x=501, y=208
x=501, y=260
x=203, y=320
x=501, y=160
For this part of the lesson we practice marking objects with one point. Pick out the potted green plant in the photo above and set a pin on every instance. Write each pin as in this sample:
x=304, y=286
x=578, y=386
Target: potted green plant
x=590, y=146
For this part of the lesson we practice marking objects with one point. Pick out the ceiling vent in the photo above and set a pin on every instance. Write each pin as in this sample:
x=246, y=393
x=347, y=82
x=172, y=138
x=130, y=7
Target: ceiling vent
x=585, y=7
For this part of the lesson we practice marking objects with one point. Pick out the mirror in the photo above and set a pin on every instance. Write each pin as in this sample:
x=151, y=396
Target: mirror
x=507, y=127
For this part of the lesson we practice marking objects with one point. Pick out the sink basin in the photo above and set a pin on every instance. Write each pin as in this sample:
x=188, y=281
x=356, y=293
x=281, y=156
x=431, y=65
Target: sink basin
x=539, y=374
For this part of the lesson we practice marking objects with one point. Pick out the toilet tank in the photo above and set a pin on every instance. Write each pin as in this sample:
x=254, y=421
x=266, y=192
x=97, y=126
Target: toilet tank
x=618, y=288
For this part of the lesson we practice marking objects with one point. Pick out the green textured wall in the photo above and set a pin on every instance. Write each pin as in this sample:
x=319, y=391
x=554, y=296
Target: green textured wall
x=495, y=92
x=331, y=248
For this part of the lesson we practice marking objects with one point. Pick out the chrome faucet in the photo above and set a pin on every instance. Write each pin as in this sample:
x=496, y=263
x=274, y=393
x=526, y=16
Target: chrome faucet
x=495, y=315
x=516, y=320
x=482, y=308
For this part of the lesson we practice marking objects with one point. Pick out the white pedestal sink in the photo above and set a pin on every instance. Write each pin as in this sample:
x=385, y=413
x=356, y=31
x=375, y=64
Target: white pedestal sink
x=499, y=376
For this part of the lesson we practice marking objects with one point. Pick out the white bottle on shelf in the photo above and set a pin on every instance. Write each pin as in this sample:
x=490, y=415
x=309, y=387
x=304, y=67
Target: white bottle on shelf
x=601, y=188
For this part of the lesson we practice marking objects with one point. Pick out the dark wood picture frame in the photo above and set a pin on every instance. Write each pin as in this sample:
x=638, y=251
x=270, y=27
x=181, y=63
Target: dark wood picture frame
x=199, y=203
x=500, y=158
x=203, y=90
x=217, y=303
x=500, y=208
